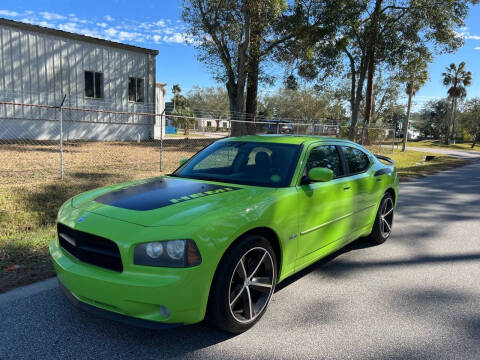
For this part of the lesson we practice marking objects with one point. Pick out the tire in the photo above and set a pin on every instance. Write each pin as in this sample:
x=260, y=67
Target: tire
x=382, y=228
x=228, y=308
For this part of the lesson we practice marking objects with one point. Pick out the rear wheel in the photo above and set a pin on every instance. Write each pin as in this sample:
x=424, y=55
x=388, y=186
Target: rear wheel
x=243, y=285
x=382, y=228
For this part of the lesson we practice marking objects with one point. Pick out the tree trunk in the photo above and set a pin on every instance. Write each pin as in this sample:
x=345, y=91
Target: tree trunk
x=453, y=119
x=253, y=65
x=252, y=89
x=352, y=134
x=449, y=123
x=407, y=122
x=368, y=96
x=372, y=44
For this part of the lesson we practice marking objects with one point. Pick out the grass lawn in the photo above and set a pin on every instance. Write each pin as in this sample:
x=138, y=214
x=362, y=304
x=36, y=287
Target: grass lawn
x=440, y=144
x=31, y=193
x=411, y=164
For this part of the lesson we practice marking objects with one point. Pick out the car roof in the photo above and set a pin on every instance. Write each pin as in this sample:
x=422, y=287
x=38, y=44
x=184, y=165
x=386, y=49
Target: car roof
x=288, y=139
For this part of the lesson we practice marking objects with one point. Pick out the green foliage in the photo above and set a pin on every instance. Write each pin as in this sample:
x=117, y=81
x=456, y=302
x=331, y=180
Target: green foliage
x=305, y=104
x=433, y=119
x=457, y=79
x=184, y=118
x=470, y=120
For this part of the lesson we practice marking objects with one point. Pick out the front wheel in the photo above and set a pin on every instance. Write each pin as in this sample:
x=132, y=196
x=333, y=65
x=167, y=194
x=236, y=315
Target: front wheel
x=243, y=285
x=382, y=228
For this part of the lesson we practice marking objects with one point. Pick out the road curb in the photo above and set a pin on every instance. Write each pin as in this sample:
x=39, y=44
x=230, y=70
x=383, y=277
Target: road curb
x=28, y=290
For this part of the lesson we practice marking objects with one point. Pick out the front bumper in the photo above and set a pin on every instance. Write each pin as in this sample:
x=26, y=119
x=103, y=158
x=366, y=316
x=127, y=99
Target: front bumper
x=138, y=295
x=113, y=315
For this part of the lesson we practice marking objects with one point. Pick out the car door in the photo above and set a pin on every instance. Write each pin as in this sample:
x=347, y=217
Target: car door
x=323, y=207
x=364, y=188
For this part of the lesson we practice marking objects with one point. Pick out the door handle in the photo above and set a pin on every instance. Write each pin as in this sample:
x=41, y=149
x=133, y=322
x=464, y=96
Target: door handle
x=346, y=188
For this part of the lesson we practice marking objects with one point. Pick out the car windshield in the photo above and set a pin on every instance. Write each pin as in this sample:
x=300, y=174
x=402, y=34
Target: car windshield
x=248, y=163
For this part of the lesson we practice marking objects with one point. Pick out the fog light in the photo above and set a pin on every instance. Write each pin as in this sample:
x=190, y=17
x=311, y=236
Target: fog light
x=164, y=311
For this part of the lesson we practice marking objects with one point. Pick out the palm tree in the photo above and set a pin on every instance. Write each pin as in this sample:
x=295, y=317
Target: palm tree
x=458, y=79
x=411, y=89
x=175, y=90
x=414, y=74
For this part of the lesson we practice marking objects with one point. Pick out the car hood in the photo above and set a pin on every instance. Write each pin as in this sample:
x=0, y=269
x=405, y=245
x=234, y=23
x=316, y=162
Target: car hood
x=166, y=200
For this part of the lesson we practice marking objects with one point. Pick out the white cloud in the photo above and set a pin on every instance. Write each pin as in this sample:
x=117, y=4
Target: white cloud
x=8, y=13
x=466, y=35
x=476, y=48
x=110, y=32
x=141, y=33
x=52, y=16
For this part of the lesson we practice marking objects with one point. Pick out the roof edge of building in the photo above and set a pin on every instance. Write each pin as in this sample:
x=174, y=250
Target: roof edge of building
x=74, y=36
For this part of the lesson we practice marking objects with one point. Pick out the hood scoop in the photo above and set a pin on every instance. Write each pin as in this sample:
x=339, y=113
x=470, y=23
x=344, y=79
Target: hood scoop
x=160, y=193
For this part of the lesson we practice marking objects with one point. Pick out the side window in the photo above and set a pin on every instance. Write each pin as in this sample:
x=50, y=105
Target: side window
x=135, y=89
x=356, y=159
x=325, y=156
x=93, y=85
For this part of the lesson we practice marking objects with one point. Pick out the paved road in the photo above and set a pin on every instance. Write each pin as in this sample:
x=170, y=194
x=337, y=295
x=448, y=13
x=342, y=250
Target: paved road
x=415, y=297
x=472, y=155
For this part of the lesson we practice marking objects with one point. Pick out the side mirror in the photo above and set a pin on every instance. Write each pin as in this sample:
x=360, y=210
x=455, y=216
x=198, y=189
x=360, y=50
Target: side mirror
x=319, y=174
x=183, y=161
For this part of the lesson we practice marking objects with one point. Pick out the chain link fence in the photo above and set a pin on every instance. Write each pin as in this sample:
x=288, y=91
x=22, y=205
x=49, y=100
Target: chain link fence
x=68, y=138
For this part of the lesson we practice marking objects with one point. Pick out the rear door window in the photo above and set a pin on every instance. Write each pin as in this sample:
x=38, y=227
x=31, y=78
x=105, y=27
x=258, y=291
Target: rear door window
x=357, y=160
x=325, y=156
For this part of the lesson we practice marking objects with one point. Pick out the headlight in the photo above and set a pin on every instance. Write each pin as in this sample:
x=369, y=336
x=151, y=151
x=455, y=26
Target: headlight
x=172, y=253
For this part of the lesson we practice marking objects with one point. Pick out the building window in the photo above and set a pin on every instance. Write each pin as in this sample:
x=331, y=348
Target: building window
x=224, y=124
x=135, y=89
x=93, y=84
x=209, y=124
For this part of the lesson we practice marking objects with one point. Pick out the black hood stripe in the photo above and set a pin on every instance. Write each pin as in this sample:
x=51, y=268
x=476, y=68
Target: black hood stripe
x=160, y=193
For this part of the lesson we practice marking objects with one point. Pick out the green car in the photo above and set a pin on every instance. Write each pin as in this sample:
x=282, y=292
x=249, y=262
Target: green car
x=213, y=239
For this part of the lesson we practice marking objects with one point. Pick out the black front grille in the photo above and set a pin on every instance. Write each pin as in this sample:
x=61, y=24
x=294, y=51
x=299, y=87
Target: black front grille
x=90, y=248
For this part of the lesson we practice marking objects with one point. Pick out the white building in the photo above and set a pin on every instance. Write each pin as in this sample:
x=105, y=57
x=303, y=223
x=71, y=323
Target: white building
x=211, y=124
x=40, y=65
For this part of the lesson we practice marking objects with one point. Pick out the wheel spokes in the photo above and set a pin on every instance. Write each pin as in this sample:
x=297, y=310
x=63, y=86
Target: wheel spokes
x=388, y=212
x=386, y=223
x=247, y=304
x=250, y=290
x=261, y=284
x=258, y=265
x=235, y=299
x=240, y=270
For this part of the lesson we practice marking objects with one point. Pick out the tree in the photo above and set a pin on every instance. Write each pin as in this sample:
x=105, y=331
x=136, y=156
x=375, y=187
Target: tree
x=305, y=105
x=433, y=120
x=393, y=26
x=414, y=74
x=175, y=90
x=184, y=118
x=376, y=33
x=471, y=118
x=211, y=103
x=457, y=78
x=233, y=37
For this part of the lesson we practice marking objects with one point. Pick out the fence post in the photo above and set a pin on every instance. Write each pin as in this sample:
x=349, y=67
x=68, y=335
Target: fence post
x=161, y=140
x=393, y=141
x=61, y=137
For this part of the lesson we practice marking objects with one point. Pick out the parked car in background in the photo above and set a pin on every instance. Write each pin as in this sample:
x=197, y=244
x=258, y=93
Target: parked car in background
x=277, y=127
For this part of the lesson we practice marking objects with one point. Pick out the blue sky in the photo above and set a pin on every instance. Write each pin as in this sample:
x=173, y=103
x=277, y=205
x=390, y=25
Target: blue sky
x=158, y=25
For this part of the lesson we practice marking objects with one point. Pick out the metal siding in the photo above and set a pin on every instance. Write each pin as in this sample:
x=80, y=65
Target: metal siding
x=41, y=68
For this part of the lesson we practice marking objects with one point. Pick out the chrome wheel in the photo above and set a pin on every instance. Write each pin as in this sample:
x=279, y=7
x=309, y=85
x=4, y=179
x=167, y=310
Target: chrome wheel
x=251, y=285
x=386, y=217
